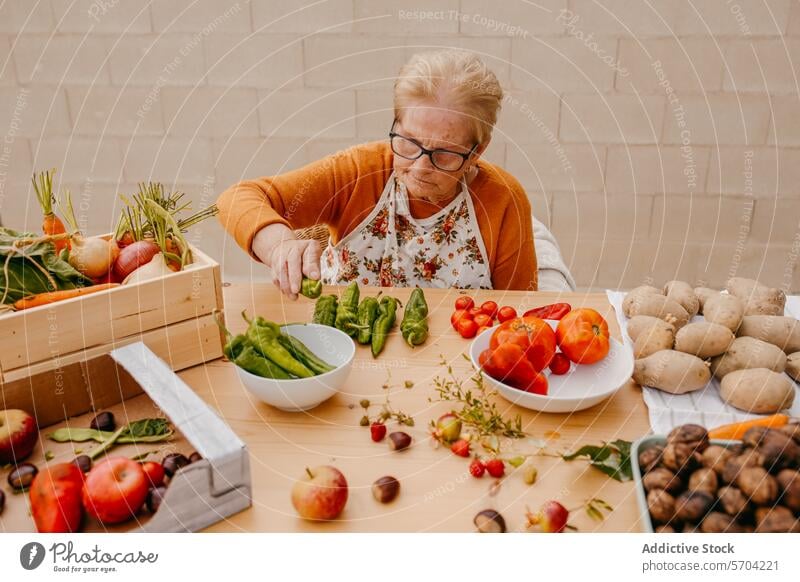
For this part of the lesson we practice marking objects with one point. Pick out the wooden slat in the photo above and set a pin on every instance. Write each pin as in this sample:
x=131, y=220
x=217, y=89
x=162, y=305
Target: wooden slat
x=181, y=345
x=63, y=328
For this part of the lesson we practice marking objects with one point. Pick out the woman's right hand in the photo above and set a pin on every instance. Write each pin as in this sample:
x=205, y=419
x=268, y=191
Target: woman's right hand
x=288, y=257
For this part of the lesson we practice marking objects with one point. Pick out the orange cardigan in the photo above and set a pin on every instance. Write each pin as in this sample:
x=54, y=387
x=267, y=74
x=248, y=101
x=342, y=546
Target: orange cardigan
x=342, y=189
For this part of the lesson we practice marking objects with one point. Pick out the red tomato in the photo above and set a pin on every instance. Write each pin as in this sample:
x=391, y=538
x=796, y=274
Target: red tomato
x=56, y=499
x=538, y=385
x=560, y=364
x=582, y=335
x=507, y=363
x=489, y=308
x=458, y=315
x=464, y=302
x=506, y=314
x=484, y=320
x=533, y=335
x=482, y=329
x=115, y=489
x=467, y=328
x=154, y=472
x=473, y=311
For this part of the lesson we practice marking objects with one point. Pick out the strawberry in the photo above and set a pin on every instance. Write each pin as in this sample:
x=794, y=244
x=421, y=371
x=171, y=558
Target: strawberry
x=377, y=431
x=495, y=467
x=476, y=468
x=460, y=448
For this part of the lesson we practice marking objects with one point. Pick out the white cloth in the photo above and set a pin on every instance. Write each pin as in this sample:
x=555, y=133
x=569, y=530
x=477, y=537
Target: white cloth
x=553, y=272
x=703, y=406
x=391, y=248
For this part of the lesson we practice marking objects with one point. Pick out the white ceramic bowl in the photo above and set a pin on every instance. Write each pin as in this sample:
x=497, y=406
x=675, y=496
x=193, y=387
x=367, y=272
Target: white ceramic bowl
x=328, y=343
x=580, y=388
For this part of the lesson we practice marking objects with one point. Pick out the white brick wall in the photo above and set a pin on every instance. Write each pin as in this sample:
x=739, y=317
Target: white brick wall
x=658, y=139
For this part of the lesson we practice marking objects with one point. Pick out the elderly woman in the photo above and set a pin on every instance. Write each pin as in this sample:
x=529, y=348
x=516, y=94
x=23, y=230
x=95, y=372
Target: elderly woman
x=421, y=209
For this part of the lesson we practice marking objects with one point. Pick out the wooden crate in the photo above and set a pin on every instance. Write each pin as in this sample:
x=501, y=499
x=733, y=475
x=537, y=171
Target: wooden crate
x=134, y=383
x=172, y=315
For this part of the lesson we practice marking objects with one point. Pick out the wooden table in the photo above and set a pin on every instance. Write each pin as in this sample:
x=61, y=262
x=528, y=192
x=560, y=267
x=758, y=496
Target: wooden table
x=437, y=492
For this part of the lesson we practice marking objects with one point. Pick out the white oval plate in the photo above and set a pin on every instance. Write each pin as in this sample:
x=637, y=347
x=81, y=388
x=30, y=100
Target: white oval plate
x=580, y=388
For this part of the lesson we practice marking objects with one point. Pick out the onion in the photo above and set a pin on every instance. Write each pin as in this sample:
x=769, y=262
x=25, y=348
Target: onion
x=134, y=256
x=92, y=256
x=157, y=267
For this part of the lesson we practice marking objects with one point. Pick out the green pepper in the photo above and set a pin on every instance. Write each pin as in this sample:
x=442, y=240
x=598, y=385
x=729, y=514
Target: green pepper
x=234, y=346
x=325, y=310
x=383, y=324
x=249, y=359
x=264, y=337
x=367, y=314
x=347, y=312
x=311, y=288
x=414, y=326
x=301, y=352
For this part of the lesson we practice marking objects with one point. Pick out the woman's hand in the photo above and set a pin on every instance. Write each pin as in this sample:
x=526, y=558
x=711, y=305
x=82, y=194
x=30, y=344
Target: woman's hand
x=288, y=257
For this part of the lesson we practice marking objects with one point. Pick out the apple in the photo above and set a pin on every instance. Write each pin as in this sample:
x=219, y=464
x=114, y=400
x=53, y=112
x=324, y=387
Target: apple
x=320, y=494
x=56, y=499
x=18, y=435
x=115, y=489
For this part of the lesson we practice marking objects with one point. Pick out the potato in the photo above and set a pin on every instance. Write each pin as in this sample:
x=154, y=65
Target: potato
x=659, y=336
x=703, y=339
x=637, y=324
x=793, y=366
x=702, y=294
x=748, y=352
x=661, y=307
x=757, y=390
x=683, y=293
x=757, y=298
x=778, y=330
x=723, y=309
x=635, y=294
x=671, y=371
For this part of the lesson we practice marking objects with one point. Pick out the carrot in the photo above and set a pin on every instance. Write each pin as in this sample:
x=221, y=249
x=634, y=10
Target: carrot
x=736, y=430
x=51, y=224
x=53, y=296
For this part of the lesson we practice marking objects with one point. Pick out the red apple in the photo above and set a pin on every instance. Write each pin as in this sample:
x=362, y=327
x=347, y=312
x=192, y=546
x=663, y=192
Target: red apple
x=320, y=494
x=115, y=489
x=56, y=499
x=18, y=435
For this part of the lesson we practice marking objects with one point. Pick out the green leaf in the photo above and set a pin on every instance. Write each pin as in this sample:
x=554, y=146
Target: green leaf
x=24, y=277
x=613, y=459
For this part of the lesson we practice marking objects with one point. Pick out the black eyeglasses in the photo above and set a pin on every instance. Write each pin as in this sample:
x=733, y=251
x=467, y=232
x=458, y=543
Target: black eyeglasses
x=445, y=160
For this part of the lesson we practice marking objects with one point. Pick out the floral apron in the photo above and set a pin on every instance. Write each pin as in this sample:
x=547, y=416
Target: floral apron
x=390, y=248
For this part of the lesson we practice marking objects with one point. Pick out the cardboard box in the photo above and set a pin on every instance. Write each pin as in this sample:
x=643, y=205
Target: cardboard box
x=134, y=383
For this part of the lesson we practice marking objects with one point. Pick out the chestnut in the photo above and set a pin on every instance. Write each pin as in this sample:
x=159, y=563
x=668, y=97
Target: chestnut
x=173, y=463
x=83, y=462
x=489, y=521
x=155, y=495
x=399, y=441
x=385, y=489
x=22, y=476
x=104, y=421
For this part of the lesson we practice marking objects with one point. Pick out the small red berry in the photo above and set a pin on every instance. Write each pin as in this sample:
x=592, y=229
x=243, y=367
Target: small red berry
x=377, y=431
x=495, y=467
x=460, y=448
x=476, y=468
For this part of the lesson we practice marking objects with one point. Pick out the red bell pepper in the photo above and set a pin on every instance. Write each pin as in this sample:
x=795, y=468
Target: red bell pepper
x=552, y=311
